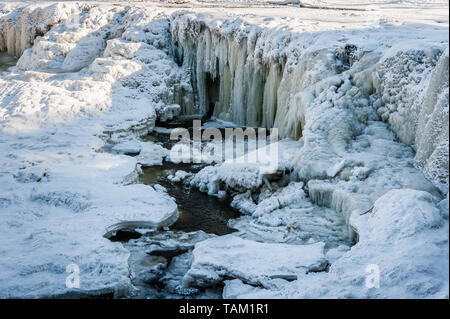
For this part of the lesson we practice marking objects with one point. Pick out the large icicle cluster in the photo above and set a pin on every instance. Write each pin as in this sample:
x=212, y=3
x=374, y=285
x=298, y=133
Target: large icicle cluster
x=226, y=71
x=333, y=94
x=266, y=77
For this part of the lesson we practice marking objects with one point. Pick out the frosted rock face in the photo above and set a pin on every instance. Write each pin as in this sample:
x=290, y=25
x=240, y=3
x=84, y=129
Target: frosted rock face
x=228, y=256
x=20, y=26
x=432, y=132
x=404, y=225
x=259, y=76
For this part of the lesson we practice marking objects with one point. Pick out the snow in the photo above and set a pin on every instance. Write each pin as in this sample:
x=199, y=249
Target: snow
x=360, y=98
x=228, y=256
x=60, y=193
x=407, y=217
x=288, y=216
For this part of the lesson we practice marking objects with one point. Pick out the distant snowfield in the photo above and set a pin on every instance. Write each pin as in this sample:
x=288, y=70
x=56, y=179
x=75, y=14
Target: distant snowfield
x=366, y=89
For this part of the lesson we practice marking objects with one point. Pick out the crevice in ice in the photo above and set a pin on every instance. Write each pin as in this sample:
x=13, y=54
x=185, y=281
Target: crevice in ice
x=213, y=92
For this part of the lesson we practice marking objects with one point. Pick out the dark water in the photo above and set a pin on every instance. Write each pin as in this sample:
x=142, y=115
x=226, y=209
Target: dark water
x=6, y=61
x=198, y=211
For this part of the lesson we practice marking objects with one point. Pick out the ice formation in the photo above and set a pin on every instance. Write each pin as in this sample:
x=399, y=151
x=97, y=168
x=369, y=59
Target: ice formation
x=227, y=256
x=332, y=94
x=263, y=77
x=362, y=110
x=61, y=195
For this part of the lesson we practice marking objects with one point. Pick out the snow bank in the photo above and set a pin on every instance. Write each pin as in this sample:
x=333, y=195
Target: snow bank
x=404, y=225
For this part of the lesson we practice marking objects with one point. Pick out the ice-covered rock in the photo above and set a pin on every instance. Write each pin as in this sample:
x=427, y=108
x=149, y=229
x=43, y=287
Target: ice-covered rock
x=247, y=172
x=227, y=257
x=127, y=147
x=179, y=176
x=288, y=216
x=151, y=154
x=404, y=225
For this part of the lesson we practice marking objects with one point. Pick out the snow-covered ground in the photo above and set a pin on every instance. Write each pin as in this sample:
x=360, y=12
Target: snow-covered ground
x=360, y=94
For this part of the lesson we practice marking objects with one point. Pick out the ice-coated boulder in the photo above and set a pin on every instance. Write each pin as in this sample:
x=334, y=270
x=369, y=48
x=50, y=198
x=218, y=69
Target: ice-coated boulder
x=232, y=257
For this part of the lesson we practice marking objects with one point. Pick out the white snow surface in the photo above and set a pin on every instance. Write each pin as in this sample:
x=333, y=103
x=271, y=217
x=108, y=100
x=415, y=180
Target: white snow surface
x=228, y=256
x=365, y=91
